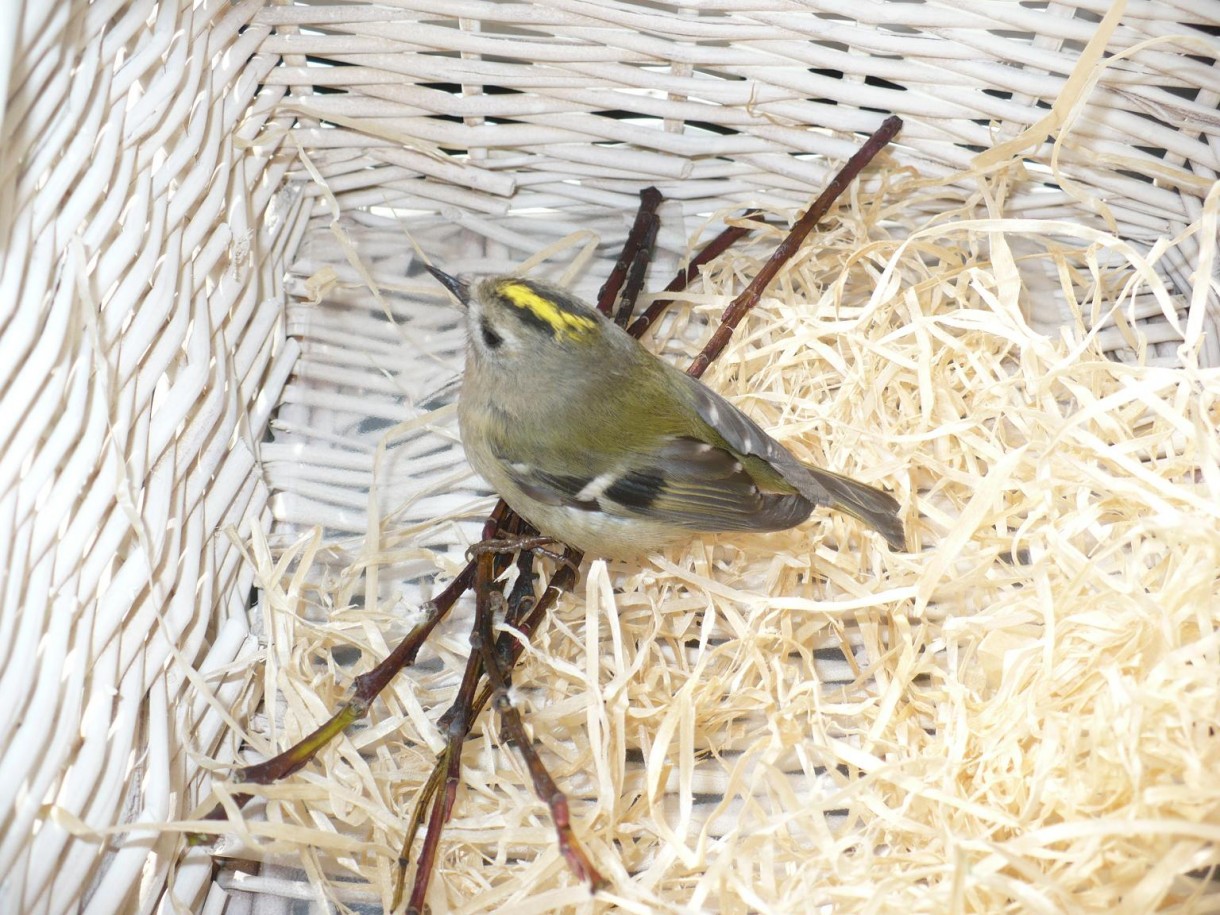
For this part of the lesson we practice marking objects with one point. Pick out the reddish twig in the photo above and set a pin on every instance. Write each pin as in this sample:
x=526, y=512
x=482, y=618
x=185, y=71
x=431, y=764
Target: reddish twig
x=465, y=710
x=456, y=722
x=365, y=688
x=741, y=306
x=626, y=278
x=712, y=250
x=483, y=641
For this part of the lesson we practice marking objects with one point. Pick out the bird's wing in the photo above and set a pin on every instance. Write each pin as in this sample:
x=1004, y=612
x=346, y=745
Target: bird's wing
x=685, y=482
x=821, y=487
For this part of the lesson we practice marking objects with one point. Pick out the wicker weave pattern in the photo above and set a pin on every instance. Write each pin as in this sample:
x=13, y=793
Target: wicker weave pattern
x=568, y=103
x=744, y=86
x=140, y=364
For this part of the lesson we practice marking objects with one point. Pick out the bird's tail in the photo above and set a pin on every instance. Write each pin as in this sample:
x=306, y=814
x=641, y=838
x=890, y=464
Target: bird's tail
x=877, y=509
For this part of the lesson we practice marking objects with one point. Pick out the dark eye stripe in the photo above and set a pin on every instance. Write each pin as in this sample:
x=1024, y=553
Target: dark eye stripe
x=527, y=316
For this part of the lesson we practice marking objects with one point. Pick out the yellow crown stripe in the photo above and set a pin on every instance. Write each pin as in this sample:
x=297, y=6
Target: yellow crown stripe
x=563, y=322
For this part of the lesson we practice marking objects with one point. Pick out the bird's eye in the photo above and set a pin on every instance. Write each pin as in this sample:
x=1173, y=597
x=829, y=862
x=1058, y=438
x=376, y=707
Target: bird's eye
x=491, y=339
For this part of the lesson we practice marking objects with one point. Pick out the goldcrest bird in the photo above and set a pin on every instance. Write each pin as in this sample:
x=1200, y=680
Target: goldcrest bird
x=600, y=444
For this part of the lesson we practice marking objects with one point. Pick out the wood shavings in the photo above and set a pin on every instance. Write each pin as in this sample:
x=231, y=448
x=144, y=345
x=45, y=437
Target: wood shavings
x=1019, y=715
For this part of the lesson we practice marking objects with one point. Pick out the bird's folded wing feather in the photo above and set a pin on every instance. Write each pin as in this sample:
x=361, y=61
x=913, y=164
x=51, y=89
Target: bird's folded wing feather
x=686, y=482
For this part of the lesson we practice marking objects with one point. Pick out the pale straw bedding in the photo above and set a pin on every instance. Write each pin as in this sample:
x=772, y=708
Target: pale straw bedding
x=802, y=719
x=1012, y=325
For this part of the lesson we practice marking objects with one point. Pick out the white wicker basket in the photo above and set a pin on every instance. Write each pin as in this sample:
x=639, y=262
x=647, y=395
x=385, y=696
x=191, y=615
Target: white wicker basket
x=169, y=185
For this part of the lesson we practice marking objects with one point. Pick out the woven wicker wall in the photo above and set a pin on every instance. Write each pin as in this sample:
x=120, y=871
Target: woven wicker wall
x=161, y=163
x=142, y=351
x=564, y=104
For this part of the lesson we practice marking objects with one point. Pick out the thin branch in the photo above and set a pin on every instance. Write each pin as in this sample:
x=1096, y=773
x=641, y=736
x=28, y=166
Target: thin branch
x=712, y=250
x=488, y=601
x=528, y=615
x=741, y=306
x=626, y=278
x=456, y=722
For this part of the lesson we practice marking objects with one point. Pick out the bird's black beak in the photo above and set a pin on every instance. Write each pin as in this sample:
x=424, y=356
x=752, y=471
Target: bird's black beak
x=459, y=288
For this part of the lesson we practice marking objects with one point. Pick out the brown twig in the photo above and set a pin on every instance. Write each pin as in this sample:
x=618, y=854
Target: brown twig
x=365, y=688
x=632, y=260
x=456, y=723
x=741, y=305
x=650, y=199
x=712, y=250
x=457, y=720
x=487, y=602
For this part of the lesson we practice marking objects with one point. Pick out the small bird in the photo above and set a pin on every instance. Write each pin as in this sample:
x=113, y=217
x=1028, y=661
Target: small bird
x=600, y=444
